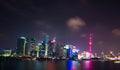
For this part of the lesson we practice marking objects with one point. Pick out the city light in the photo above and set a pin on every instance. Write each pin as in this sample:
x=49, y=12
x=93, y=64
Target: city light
x=22, y=37
x=39, y=44
x=66, y=46
x=53, y=41
x=48, y=49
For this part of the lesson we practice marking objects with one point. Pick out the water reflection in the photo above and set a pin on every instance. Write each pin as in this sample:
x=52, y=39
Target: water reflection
x=51, y=66
x=61, y=65
x=87, y=65
x=71, y=65
x=39, y=65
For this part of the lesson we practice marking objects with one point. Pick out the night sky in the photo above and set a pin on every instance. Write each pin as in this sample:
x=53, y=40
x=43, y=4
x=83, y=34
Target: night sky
x=71, y=21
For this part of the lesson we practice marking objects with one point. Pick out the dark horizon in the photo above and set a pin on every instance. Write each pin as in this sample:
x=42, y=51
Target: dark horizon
x=70, y=21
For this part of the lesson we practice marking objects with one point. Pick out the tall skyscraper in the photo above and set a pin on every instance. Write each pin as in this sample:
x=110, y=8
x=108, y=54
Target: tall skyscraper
x=51, y=47
x=22, y=46
x=68, y=51
x=32, y=42
x=46, y=45
x=54, y=44
x=42, y=49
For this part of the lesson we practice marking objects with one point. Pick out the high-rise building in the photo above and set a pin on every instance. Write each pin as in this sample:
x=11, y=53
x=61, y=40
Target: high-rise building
x=42, y=49
x=46, y=45
x=32, y=43
x=22, y=48
x=32, y=50
x=68, y=51
x=51, y=47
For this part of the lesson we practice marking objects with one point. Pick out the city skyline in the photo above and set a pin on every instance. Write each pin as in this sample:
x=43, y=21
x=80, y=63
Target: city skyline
x=71, y=22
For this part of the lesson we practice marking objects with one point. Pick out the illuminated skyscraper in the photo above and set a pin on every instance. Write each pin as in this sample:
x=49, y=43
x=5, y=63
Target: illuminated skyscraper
x=68, y=51
x=32, y=45
x=54, y=43
x=46, y=45
x=51, y=47
x=22, y=46
x=42, y=49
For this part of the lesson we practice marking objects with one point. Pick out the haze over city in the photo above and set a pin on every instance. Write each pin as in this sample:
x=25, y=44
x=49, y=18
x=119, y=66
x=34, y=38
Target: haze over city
x=70, y=22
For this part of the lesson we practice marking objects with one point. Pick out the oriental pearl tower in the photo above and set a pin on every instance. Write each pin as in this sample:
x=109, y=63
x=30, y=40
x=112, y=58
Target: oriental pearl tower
x=90, y=45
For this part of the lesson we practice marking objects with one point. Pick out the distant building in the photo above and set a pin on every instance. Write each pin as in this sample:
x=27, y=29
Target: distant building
x=85, y=55
x=51, y=47
x=68, y=51
x=47, y=39
x=42, y=49
x=32, y=50
x=5, y=52
x=22, y=47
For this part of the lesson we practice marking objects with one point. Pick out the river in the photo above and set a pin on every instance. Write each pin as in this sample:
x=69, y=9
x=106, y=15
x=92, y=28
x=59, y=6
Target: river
x=58, y=65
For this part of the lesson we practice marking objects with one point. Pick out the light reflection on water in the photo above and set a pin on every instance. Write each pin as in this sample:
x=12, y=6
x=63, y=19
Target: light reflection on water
x=71, y=65
x=58, y=65
x=51, y=66
x=88, y=65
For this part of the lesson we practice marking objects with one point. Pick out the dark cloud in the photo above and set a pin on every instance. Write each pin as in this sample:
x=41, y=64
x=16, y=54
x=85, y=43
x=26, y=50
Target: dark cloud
x=116, y=32
x=75, y=23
